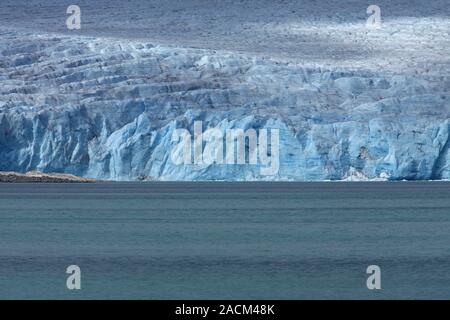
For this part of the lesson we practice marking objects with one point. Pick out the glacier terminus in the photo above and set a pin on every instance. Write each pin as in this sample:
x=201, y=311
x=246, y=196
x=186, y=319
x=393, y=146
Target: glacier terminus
x=108, y=108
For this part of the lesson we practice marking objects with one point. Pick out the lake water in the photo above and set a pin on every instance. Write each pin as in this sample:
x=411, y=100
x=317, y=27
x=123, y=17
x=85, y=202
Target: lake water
x=225, y=240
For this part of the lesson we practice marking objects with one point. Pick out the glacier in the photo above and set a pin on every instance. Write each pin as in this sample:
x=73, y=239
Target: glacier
x=107, y=108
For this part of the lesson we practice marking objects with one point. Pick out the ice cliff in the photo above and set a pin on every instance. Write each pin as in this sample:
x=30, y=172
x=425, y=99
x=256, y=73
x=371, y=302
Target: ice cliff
x=107, y=109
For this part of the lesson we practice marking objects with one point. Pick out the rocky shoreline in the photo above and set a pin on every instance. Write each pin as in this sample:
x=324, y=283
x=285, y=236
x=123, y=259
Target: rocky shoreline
x=39, y=177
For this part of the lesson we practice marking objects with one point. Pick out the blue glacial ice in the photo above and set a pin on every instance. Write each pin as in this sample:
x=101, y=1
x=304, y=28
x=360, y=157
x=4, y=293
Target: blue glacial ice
x=107, y=109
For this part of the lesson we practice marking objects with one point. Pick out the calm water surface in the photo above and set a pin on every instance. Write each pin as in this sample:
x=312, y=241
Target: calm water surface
x=225, y=240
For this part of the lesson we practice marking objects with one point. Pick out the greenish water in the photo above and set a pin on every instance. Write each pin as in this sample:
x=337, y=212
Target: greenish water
x=225, y=240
